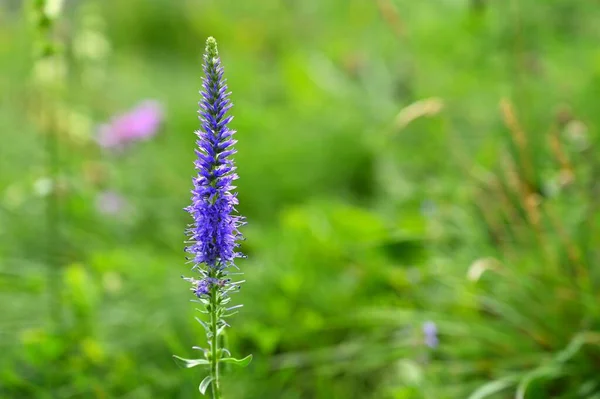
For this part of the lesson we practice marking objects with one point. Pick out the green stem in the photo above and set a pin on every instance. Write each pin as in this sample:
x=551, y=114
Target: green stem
x=214, y=344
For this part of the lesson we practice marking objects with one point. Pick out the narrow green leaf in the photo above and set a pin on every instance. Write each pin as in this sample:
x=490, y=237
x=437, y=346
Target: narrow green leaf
x=220, y=330
x=189, y=363
x=203, y=324
x=204, y=384
x=238, y=362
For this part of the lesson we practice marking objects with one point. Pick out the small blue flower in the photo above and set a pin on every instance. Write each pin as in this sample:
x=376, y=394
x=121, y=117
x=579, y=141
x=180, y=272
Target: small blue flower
x=431, y=334
x=428, y=208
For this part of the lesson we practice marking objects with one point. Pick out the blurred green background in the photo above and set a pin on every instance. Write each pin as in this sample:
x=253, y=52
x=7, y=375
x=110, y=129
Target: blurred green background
x=401, y=163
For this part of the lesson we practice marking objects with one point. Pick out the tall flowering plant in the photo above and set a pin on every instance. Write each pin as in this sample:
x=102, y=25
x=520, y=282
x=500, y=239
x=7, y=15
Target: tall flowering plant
x=214, y=235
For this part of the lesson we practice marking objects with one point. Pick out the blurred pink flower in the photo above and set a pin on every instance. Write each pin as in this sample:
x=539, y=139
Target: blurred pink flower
x=110, y=203
x=141, y=123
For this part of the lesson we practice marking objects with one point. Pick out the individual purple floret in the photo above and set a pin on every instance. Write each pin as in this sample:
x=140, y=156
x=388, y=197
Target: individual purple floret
x=214, y=233
x=200, y=287
x=203, y=286
x=141, y=123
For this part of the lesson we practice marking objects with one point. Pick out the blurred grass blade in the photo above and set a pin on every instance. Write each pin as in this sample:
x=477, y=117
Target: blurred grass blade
x=494, y=387
x=548, y=372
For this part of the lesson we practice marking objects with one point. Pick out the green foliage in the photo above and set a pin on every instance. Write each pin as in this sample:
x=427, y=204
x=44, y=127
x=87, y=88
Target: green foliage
x=400, y=162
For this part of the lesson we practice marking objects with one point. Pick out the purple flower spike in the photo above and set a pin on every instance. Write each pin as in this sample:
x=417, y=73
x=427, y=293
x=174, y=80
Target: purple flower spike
x=214, y=233
x=141, y=123
x=431, y=334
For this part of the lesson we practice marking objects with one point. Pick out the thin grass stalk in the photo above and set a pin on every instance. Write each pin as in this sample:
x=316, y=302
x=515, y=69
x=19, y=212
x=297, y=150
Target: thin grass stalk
x=46, y=50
